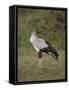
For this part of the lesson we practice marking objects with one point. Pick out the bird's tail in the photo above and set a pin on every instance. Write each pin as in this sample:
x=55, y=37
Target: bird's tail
x=54, y=53
x=51, y=51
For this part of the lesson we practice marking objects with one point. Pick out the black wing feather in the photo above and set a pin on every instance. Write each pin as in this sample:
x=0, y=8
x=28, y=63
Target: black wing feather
x=50, y=50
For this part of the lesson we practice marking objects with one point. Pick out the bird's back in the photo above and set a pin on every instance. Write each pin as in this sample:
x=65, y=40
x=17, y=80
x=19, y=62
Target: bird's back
x=40, y=43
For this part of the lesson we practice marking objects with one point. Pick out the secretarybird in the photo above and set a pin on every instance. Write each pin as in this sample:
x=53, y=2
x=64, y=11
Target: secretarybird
x=41, y=46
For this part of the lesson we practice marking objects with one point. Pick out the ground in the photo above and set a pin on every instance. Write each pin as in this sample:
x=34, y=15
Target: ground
x=28, y=67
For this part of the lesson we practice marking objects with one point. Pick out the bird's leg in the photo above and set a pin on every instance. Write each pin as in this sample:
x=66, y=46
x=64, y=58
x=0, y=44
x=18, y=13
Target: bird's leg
x=40, y=62
x=40, y=65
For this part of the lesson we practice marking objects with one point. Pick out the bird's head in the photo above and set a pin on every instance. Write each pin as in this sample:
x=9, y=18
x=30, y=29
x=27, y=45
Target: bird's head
x=35, y=31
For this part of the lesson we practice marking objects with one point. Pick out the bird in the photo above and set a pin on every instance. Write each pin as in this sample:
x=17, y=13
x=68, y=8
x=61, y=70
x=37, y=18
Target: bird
x=42, y=46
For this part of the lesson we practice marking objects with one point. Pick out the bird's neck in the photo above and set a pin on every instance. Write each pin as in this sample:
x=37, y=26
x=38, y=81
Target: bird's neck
x=32, y=38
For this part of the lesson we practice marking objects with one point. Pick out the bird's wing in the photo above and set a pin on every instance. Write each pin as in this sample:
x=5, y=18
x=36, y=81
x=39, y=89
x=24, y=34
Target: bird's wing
x=51, y=51
x=40, y=43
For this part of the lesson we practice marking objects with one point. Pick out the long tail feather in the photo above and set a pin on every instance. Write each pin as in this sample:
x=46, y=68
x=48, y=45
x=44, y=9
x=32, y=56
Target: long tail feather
x=51, y=51
x=54, y=53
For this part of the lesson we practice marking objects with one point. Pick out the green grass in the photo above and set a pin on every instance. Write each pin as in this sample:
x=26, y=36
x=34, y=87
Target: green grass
x=51, y=24
x=28, y=66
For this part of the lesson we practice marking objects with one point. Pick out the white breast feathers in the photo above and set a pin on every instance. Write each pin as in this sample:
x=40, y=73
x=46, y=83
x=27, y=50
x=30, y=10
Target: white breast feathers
x=37, y=43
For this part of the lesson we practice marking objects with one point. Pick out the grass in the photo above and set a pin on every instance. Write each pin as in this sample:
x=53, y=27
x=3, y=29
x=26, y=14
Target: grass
x=51, y=24
x=28, y=66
